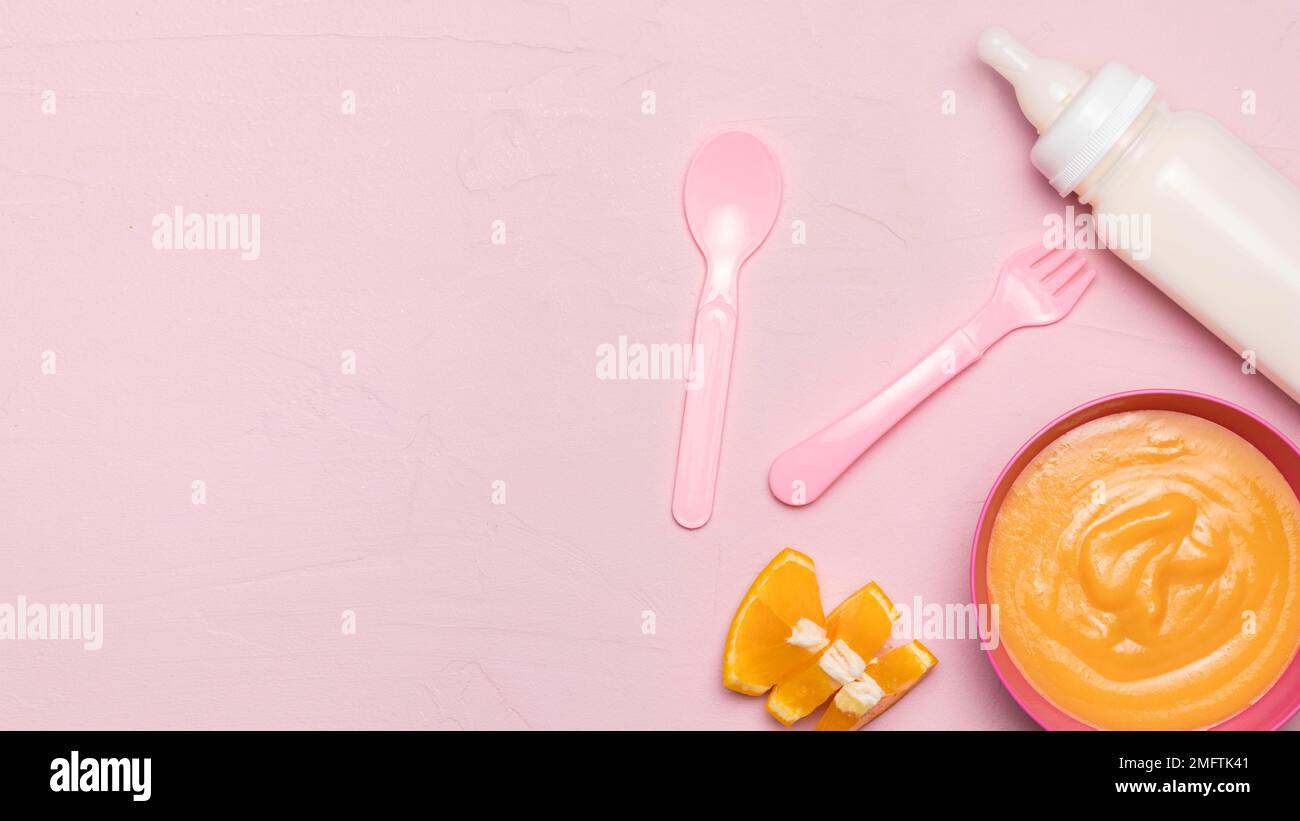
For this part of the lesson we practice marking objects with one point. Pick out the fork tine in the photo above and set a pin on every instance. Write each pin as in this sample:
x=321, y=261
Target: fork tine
x=1063, y=273
x=1070, y=292
x=1040, y=253
x=1052, y=261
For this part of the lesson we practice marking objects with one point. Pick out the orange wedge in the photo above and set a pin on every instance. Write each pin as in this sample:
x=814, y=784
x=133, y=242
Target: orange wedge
x=778, y=627
x=856, y=629
x=890, y=677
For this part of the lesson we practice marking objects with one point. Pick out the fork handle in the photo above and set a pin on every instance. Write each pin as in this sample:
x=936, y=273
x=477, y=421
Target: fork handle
x=805, y=471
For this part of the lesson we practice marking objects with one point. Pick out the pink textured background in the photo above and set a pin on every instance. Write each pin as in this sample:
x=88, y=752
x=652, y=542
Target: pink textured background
x=371, y=492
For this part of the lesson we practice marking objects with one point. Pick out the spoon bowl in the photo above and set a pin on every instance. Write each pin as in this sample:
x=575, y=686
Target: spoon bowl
x=732, y=195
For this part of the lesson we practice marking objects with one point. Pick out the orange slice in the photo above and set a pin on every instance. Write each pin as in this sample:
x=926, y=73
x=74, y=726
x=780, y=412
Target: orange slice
x=890, y=677
x=778, y=627
x=856, y=629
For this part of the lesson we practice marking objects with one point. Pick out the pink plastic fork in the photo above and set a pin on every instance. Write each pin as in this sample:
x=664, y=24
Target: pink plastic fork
x=1037, y=286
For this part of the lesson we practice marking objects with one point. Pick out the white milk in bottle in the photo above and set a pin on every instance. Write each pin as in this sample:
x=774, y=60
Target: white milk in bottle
x=1223, y=225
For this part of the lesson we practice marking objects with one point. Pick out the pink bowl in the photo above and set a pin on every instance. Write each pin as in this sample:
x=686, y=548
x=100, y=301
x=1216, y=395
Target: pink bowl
x=1283, y=699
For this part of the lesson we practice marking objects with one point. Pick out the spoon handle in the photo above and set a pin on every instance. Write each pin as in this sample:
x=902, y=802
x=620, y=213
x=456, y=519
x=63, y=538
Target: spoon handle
x=706, y=407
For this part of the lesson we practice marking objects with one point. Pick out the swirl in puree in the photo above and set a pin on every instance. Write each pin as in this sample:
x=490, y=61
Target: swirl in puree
x=1146, y=568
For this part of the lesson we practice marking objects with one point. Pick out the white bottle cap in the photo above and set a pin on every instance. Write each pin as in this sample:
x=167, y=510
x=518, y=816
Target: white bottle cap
x=1091, y=125
x=1079, y=119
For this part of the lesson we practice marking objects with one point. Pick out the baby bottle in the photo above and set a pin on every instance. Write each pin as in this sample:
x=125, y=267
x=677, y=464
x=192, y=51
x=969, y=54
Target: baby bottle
x=1174, y=194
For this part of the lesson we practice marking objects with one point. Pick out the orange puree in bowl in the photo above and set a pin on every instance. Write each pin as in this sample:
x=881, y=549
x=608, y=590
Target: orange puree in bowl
x=1146, y=569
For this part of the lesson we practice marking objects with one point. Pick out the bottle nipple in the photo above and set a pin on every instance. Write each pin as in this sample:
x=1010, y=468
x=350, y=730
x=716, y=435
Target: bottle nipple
x=1043, y=87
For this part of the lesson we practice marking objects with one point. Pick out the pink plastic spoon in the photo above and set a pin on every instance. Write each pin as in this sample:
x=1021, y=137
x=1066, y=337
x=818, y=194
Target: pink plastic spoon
x=733, y=191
